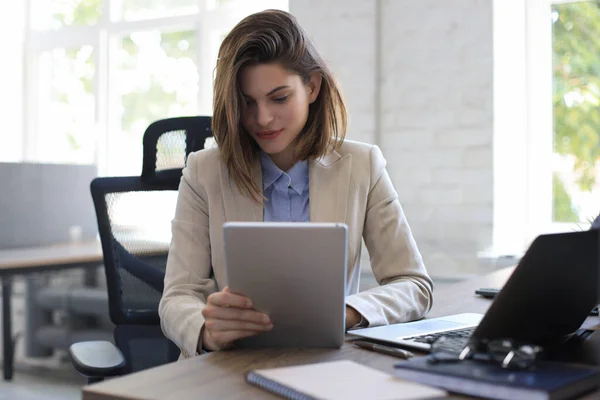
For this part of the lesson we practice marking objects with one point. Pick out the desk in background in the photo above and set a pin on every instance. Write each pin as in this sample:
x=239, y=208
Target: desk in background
x=43, y=204
x=37, y=259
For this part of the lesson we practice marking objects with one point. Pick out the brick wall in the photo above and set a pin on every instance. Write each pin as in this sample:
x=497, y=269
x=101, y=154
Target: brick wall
x=345, y=36
x=417, y=76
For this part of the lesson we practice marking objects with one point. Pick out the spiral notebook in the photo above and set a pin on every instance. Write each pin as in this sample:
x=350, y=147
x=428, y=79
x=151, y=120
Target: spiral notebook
x=334, y=380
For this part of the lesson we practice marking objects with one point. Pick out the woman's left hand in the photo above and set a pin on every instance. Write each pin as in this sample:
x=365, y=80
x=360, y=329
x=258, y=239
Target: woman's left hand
x=352, y=317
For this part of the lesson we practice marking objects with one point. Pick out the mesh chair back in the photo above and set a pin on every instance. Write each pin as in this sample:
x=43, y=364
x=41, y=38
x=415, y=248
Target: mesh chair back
x=167, y=143
x=134, y=220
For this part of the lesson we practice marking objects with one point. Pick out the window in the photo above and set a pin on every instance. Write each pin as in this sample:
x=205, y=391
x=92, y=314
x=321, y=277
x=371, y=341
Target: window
x=576, y=111
x=98, y=72
x=563, y=100
x=546, y=123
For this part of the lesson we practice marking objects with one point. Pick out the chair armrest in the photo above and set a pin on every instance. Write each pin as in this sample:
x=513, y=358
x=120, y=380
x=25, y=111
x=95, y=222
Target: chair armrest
x=97, y=358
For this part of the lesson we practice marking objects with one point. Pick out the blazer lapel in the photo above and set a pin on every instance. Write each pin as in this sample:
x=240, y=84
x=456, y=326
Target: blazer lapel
x=237, y=206
x=329, y=183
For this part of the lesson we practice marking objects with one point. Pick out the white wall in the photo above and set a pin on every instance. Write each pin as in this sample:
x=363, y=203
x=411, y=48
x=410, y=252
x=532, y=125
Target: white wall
x=418, y=78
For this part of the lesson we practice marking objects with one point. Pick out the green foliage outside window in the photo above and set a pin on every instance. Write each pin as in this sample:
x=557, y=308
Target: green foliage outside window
x=576, y=97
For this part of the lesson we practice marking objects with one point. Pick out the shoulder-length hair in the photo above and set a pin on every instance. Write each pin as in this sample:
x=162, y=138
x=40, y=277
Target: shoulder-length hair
x=272, y=36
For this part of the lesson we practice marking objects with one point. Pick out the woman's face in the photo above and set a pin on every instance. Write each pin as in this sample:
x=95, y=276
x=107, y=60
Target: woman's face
x=276, y=110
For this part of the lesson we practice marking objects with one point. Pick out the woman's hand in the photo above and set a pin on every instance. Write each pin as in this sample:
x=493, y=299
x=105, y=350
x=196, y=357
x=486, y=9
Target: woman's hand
x=229, y=316
x=353, y=317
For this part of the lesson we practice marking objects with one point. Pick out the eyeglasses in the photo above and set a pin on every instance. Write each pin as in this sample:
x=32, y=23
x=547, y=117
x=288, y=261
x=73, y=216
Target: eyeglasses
x=505, y=352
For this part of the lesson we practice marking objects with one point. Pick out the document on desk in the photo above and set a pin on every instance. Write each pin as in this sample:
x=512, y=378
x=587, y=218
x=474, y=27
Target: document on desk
x=334, y=380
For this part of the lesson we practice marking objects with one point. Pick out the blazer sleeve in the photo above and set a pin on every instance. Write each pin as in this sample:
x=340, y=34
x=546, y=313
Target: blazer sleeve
x=406, y=290
x=188, y=278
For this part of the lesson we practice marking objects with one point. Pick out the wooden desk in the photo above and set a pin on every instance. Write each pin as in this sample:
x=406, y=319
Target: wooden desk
x=24, y=261
x=220, y=375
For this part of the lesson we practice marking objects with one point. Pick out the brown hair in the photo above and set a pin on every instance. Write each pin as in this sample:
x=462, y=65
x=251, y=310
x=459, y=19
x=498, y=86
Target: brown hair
x=272, y=36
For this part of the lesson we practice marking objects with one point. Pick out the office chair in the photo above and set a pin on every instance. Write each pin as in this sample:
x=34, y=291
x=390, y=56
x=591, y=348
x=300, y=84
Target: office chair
x=168, y=142
x=134, y=216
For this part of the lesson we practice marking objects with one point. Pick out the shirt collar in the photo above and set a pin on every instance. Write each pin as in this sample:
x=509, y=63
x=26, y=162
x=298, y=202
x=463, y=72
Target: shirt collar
x=271, y=173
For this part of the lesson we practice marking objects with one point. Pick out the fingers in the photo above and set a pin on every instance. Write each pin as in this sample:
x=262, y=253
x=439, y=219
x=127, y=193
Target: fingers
x=222, y=332
x=235, y=314
x=231, y=306
x=229, y=316
x=229, y=299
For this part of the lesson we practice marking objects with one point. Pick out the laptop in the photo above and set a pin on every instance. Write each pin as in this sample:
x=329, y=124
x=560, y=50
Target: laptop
x=548, y=296
x=295, y=273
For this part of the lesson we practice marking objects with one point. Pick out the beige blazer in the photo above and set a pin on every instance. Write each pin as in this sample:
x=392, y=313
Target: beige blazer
x=350, y=185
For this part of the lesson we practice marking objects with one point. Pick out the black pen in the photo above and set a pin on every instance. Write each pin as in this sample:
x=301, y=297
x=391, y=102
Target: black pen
x=379, y=348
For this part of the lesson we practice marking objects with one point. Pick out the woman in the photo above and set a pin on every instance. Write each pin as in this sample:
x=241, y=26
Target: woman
x=279, y=122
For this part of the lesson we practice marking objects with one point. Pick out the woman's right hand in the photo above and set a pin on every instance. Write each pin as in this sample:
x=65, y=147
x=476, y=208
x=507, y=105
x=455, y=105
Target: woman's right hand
x=229, y=316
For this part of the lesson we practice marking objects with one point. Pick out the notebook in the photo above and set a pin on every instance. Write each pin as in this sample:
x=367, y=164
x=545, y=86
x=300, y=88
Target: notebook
x=546, y=381
x=334, y=380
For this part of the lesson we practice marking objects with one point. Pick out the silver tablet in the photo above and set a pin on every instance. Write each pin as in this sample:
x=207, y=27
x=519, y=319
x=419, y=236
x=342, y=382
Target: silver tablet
x=295, y=273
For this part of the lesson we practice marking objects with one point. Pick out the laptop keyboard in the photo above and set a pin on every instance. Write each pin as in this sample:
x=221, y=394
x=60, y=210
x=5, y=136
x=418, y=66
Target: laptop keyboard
x=456, y=340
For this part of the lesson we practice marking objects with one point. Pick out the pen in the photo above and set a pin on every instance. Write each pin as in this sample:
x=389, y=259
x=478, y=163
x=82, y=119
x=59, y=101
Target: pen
x=379, y=348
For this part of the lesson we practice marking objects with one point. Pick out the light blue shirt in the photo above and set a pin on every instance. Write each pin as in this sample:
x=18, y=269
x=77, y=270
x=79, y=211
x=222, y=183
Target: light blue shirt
x=286, y=194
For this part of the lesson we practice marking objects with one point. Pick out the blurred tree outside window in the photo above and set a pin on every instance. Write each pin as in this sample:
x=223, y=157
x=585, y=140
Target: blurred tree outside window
x=576, y=108
x=65, y=105
x=57, y=14
x=132, y=10
x=157, y=77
